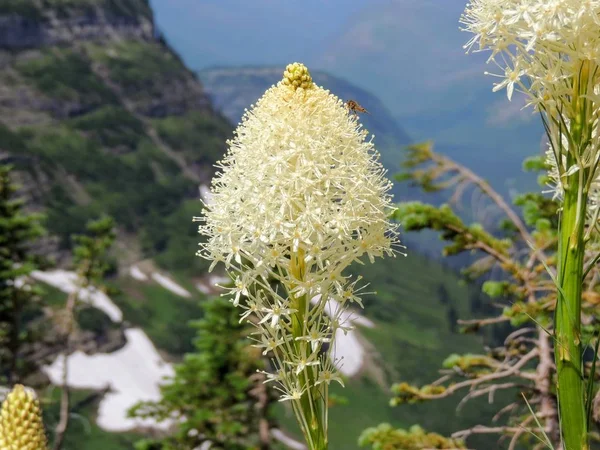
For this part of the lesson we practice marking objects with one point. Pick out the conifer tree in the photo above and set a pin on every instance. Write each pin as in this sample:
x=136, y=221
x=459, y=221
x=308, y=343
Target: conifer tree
x=90, y=258
x=217, y=391
x=18, y=297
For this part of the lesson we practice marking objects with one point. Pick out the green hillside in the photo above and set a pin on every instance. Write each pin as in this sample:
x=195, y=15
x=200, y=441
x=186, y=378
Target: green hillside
x=102, y=125
x=105, y=118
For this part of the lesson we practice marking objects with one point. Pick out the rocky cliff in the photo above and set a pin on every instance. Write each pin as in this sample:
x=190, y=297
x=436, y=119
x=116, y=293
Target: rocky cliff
x=28, y=24
x=99, y=115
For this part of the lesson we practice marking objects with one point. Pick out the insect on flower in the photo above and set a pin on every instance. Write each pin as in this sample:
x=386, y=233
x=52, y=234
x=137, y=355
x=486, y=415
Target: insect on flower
x=355, y=107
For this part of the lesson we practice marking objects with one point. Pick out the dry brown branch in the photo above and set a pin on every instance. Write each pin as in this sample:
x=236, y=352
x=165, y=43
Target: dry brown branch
x=482, y=429
x=483, y=322
x=471, y=383
x=485, y=187
x=525, y=360
x=507, y=409
x=523, y=429
x=489, y=390
x=69, y=321
x=259, y=391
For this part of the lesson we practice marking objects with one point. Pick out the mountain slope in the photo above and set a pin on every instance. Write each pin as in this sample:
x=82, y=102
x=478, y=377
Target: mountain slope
x=101, y=117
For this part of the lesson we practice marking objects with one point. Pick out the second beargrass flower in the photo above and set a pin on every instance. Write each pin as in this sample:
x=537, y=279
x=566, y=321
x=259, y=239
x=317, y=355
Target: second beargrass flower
x=301, y=195
x=21, y=426
x=550, y=51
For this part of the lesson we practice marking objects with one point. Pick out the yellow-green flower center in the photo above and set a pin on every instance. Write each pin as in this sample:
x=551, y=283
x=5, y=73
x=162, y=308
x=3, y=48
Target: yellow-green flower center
x=296, y=76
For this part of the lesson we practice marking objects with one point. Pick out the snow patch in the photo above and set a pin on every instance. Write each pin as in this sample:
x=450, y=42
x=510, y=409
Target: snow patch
x=169, y=284
x=349, y=351
x=134, y=373
x=216, y=280
x=203, y=288
x=205, y=194
x=280, y=436
x=67, y=282
x=136, y=273
x=346, y=346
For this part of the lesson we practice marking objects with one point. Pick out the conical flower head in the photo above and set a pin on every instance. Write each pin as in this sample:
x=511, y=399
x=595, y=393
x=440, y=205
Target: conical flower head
x=299, y=175
x=301, y=195
x=21, y=426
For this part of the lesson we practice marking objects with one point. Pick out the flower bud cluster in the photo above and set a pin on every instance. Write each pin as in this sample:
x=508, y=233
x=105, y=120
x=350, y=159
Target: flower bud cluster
x=21, y=426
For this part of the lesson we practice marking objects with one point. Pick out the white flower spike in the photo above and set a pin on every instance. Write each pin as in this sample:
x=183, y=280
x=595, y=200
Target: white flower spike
x=300, y=196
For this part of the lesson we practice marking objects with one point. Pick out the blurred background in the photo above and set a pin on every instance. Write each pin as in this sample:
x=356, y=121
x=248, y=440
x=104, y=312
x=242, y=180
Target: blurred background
x=122, y=108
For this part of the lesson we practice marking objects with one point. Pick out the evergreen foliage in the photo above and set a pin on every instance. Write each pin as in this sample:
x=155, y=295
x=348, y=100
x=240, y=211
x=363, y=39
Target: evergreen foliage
x=216, y=392
x=18, y=297
x=384, y=437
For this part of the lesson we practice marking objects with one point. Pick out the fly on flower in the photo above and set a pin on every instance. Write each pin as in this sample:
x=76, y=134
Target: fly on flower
x=355, y=107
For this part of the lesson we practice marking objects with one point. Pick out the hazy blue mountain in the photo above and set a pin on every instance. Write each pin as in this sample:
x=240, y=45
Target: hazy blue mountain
x=212, y=33
x=408, y=53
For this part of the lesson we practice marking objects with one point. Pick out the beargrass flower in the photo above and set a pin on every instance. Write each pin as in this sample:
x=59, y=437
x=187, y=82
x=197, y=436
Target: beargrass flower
x=557, y=191
x=550, y=51
x=300, y=196
x=21, y=426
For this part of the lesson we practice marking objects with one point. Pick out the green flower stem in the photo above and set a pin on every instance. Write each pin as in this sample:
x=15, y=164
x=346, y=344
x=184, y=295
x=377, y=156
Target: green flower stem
x=568, y=315
x=312, y=403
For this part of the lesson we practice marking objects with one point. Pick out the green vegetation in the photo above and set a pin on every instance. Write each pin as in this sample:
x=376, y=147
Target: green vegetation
x=415, y=438
x=522, y=293
x=35, y=11
x=18, y=299
x=199, y=136
x=53, y=297
x=140, y=67
x=216, y=388
x=111, y=127
x=410, y=314
x=25, y=8
x=164, y=316
x=128, y=187
x=175, y=238
x=65, y=75
x=92, y=319
x=83, y=431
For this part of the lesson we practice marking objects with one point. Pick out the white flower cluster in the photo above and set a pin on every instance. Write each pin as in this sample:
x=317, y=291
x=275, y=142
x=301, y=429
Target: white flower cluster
x=537, y=44
x=300, y=196
x=550, y=51
x=556, y=188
